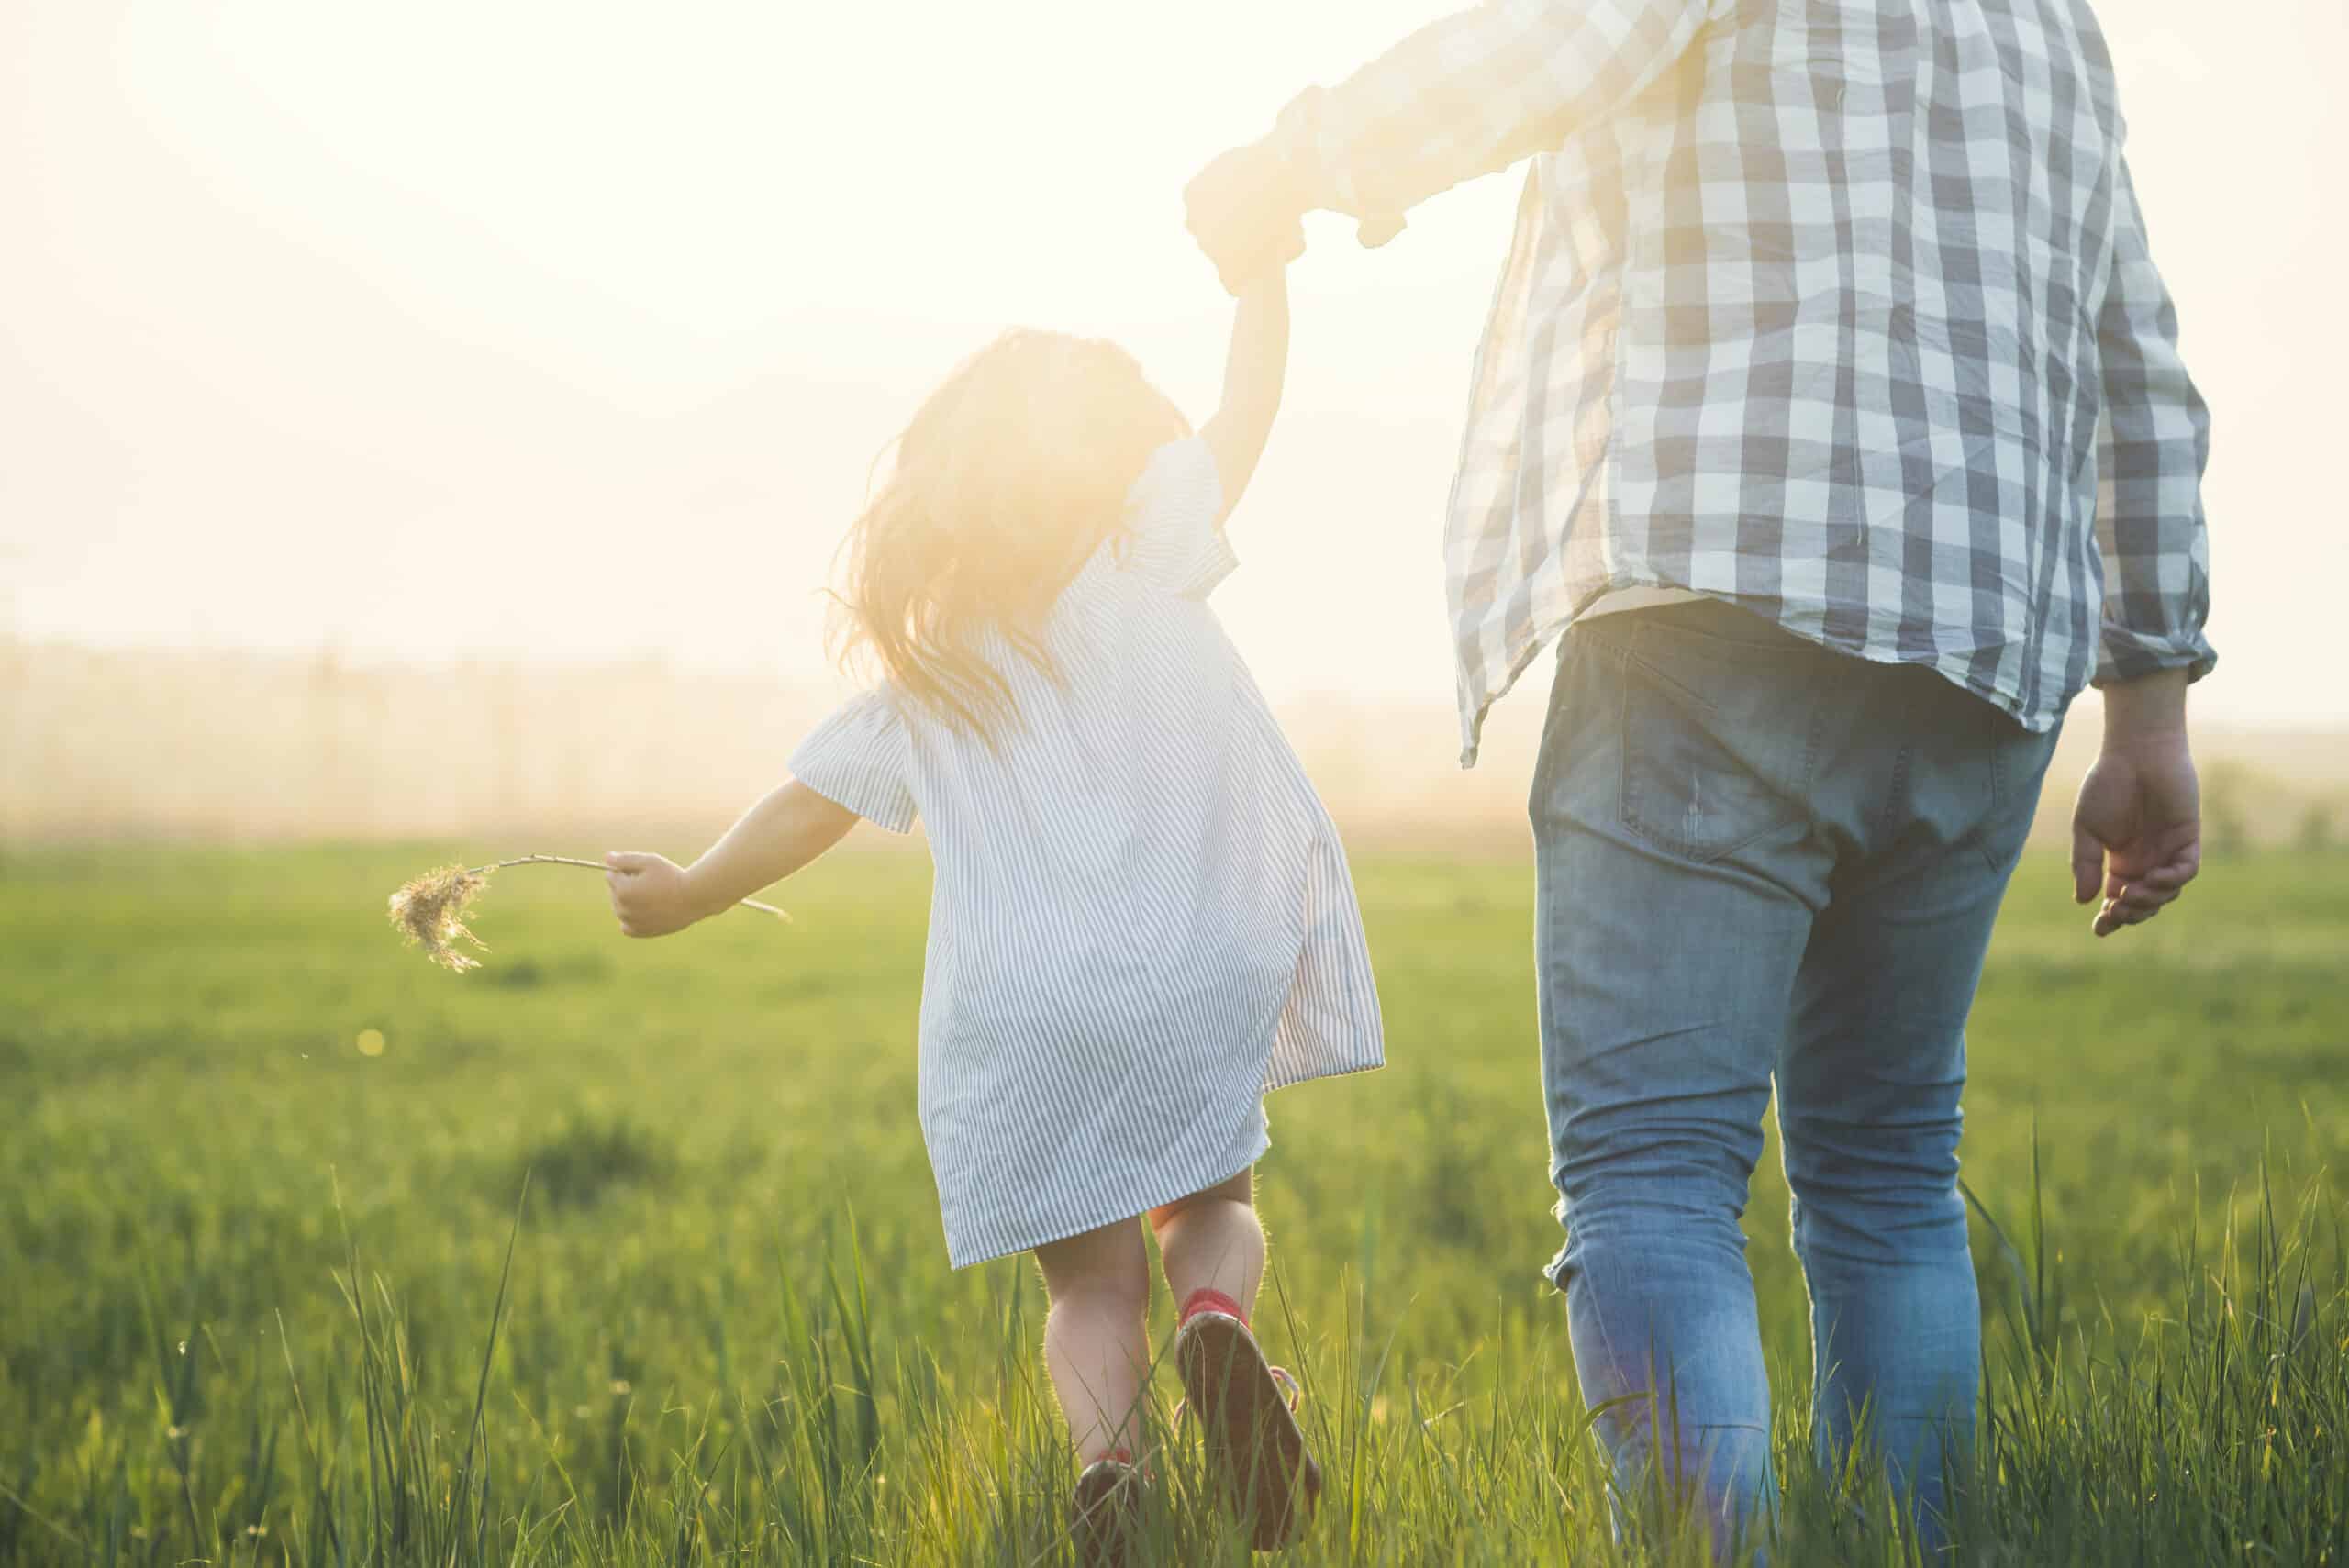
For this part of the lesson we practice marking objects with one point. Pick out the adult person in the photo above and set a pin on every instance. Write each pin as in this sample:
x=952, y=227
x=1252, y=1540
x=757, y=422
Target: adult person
x=1831, y=414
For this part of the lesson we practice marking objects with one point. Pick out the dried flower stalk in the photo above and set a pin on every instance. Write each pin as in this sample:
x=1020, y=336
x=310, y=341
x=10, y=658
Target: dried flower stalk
x=430, y=910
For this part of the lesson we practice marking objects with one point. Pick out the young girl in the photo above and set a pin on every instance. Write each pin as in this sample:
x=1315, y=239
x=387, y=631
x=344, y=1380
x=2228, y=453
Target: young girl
x=1141, y=920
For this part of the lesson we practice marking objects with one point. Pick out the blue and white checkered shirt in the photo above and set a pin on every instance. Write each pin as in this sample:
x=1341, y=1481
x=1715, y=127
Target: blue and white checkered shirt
x=1841, y=310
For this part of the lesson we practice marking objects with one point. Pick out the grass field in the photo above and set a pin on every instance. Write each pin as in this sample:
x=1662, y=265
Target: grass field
x=250, y=1274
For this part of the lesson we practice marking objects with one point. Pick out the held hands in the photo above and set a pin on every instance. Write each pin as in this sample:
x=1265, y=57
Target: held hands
x=2137, y=826
x=651, y=894
x=1246, y=209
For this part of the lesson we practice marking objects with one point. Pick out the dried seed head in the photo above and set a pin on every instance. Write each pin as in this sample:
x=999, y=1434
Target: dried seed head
x=429, y=910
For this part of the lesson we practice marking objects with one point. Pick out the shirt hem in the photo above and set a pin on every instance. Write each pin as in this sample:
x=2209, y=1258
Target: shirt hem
x=1950, y=664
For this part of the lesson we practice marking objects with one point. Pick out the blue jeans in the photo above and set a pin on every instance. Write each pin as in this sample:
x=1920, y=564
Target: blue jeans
x=1761, y=860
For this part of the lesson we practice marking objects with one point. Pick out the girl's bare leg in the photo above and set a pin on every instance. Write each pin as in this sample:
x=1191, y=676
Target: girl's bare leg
x=1095, y=1345
x=1211, y=1241
x=1213, y=1251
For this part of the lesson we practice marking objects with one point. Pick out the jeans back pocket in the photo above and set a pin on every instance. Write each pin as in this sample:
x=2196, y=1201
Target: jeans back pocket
x=1719, y=734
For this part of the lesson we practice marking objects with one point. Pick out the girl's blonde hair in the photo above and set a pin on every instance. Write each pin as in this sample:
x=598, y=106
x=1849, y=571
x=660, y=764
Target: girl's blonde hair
x=1006, y=481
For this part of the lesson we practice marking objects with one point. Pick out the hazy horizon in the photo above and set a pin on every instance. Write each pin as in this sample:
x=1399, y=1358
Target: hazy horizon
x=542, y=334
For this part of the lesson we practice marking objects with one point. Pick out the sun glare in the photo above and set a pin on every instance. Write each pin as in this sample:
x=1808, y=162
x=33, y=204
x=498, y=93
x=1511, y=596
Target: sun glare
x=602, y=301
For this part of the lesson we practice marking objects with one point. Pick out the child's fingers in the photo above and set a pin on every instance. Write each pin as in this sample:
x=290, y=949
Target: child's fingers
x=627, y=863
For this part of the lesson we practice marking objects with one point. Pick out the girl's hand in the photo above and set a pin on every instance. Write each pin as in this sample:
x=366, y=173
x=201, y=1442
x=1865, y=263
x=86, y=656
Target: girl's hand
x=651, y=894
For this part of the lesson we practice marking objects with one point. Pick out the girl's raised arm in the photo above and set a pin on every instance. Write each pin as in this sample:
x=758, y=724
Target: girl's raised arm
x=653, y=895
x=1252, y=383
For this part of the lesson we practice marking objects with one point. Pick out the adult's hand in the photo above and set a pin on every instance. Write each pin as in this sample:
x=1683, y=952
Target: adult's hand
x=2137, y=826
x=1246, y=210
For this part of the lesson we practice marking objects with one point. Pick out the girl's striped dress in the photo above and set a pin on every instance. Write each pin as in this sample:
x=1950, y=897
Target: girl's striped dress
x=1142, y=919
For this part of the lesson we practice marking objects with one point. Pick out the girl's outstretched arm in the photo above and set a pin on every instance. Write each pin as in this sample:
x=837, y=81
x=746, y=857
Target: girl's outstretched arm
x=1252, y=383
x=653, y=895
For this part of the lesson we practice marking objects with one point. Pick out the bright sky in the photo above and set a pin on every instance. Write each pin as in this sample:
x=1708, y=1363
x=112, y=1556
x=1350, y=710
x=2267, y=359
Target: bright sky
x=568, y=330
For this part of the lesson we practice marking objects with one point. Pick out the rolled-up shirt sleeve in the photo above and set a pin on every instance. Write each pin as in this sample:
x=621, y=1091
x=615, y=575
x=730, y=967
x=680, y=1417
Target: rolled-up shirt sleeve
x=2152, y=447
x=1478, y=90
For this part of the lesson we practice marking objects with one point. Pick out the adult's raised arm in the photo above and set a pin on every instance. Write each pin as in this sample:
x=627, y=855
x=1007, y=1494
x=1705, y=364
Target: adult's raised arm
x=1464, y=96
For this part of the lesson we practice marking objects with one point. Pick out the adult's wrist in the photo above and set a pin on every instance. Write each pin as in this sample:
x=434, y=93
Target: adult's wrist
x=2149, y=707
x=1294, y=149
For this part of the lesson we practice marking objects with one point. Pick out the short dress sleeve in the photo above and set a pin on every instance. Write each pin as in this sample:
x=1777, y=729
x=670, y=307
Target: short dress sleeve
x=1175, y=510
x=862, y=759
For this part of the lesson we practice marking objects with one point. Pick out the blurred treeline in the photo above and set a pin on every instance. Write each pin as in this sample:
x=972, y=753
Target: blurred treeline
x=261, y=747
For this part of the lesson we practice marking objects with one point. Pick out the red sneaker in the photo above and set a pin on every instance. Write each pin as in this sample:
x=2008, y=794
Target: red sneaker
x=1254, y=1446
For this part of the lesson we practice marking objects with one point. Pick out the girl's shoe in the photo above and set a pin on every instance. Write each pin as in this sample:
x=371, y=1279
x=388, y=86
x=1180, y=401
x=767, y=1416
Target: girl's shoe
x=1254, y=1445
x=1105, y=1513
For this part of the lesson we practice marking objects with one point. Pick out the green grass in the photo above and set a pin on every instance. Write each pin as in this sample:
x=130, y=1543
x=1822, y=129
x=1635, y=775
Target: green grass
x=264, y=1298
